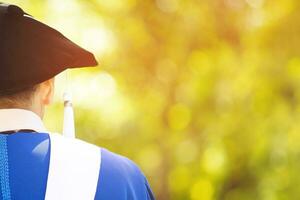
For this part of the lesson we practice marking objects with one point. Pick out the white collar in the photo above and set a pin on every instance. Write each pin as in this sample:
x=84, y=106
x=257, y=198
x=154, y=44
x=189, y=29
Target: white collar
x=17, y=119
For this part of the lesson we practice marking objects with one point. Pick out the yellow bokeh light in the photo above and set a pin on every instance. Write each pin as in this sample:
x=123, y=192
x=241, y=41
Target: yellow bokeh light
x=167, y=6
x=255, y=3
x=179, y=117
x=203, y=189
x=150, y=158
x=187, y=151
x=179, y=179
x=117, y=5
x=214, y=160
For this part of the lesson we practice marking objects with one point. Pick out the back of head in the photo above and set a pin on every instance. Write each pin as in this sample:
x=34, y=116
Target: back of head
x=18, y=99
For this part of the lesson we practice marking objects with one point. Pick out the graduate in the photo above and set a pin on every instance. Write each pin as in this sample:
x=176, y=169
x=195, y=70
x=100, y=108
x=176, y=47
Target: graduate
x=36, y=164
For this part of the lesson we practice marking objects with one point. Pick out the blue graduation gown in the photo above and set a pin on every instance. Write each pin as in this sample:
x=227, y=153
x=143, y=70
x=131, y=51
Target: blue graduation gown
x=24, y=171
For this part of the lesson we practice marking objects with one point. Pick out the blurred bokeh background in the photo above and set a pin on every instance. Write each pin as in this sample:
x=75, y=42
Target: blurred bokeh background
x=204, y=95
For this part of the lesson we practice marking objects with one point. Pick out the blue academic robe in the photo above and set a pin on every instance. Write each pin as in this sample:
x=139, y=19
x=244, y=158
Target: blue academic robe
x=24, y=172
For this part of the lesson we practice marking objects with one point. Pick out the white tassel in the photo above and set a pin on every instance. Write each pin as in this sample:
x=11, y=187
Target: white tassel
x=68, y=127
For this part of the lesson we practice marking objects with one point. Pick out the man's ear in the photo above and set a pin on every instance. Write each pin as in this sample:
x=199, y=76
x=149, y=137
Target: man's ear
x=47, y=88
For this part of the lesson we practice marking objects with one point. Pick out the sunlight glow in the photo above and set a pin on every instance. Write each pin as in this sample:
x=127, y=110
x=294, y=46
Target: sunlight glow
x=100, y=88
x=98, y=39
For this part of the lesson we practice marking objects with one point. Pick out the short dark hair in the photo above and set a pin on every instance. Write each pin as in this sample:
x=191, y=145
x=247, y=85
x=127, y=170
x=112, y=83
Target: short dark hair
x=21, y=97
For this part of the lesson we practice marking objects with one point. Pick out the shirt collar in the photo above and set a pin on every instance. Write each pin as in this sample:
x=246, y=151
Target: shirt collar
x=17, y=119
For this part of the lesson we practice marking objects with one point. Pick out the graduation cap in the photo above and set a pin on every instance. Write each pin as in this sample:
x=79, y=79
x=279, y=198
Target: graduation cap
x=32, y=52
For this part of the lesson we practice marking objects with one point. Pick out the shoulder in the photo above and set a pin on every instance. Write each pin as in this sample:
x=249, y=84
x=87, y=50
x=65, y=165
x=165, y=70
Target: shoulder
x=121, y=178
x=120, y=163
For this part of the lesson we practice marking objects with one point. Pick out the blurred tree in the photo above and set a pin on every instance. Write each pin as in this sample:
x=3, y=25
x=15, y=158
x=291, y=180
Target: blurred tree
x=203, y=95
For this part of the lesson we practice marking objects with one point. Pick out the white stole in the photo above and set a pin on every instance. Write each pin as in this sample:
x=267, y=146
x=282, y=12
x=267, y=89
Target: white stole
x=73, y=170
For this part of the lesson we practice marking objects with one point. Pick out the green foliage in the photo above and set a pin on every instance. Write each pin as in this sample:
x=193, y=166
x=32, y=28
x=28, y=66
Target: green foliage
x=203, y=95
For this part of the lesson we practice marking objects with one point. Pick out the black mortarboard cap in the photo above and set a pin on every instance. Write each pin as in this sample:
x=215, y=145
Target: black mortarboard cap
x=32, y=52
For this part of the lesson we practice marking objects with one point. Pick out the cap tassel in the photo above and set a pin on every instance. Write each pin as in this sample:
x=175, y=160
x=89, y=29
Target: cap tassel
x=68, y=126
